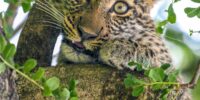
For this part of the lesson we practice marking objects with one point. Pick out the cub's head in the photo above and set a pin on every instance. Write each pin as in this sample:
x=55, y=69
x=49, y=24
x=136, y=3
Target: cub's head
x=89, y=23
x=108, y=19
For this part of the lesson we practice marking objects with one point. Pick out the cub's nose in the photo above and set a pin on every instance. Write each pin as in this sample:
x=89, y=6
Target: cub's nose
x=86, y=33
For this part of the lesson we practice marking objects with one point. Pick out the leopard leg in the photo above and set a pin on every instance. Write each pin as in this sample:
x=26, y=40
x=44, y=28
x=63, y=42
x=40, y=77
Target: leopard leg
x=118, y=53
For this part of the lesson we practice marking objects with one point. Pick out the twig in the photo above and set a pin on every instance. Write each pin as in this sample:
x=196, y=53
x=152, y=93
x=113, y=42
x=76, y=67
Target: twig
x=13, y=8
x=21, y=73
x=194, y=80
x=4, y=34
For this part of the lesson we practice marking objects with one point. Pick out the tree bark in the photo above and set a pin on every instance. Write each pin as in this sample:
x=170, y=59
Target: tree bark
x=7, y=86
x=37, y=39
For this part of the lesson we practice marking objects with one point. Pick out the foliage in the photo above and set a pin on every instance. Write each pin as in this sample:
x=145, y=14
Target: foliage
x=171, y=18
x=50, y=86
x=26, y=4
x=157, y=79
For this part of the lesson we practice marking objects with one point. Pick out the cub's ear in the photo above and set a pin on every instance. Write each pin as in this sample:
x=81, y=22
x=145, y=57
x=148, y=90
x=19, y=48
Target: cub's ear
x=151, y=2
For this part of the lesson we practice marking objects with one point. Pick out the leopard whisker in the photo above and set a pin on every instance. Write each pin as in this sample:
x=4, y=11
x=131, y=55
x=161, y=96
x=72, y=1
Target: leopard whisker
x=52, y=23
x=52, y=26
x=50, y=14
x=56, y=10
x=50, y=10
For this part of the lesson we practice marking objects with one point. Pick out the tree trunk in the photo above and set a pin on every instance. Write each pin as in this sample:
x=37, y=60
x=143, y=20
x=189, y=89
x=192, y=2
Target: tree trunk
x=7, y=86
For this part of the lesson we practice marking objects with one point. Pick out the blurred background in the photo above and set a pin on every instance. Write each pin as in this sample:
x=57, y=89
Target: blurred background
x=184, y=48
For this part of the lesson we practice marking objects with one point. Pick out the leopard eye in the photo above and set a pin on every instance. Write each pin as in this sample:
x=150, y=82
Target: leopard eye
x=120, y=7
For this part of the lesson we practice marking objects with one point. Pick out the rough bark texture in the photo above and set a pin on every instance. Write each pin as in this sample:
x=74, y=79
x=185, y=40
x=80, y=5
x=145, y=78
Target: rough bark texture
x=37, y=39
x=7, y=86
x=95, y=83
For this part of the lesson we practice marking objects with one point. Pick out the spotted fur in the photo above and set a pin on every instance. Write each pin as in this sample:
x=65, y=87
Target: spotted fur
x=95, y=33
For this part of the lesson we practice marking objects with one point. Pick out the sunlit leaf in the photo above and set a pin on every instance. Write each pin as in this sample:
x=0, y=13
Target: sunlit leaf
x=72, y=84
x=157, y=74
x=26, y=7
x=29, y=65
x=47, y=91
x=11, y=1
x=53, y=83
x=191, y=12
x=2, y=43
x=9, y=51
x=64, y=94
x=38, y=74
x=2, y=68
x=198, y=1
x=171, y=14
x=137, y=91
x=74, y=98
x=165, y=66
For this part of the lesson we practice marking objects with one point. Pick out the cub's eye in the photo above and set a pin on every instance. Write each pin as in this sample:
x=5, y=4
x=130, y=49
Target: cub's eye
x=120, y=7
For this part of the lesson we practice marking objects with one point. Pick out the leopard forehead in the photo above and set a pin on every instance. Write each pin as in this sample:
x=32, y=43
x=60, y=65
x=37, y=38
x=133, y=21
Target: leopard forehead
x=135, y=19
x=98, y=18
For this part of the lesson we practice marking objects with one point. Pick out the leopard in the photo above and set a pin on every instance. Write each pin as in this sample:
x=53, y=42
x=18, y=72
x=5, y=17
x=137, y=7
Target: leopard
x=111, y=32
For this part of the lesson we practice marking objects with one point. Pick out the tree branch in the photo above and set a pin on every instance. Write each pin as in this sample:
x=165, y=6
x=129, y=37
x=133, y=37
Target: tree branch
x=194, y=80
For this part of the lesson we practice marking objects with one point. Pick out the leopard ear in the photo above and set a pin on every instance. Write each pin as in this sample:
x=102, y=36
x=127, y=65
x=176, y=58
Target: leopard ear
x=151, y=2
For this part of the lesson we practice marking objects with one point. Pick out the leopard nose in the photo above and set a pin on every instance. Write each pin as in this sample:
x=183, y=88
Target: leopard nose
x=86, y=33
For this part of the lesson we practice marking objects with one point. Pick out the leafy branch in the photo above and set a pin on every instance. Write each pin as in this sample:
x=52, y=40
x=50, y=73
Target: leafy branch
x=171, y=18
x=157, y=79
x=50, y=86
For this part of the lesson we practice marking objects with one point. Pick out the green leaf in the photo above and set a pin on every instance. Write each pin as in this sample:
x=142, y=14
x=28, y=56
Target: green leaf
x=53, y=83
x=163, y=23
x=165, y=66
x=160, y=26
x=176, y=1
x=2, y=43
x=11, y=1
x=64, y=94
x=191, y=32
x=9, y=51
x=74, y=98
x=156, y=87
x=137, y=65
x=128, y=81
x=47, y=91
x=8, y=30
x=172, y=77
x=159, y=30
x=171, y=14
x=39, y=74
x=197, y=1
x=72, y=84
x=164, y=94
x=2, y=68
x=191, y=12
x=26, y=6
x=157, y=74
x=29, y=65
x=137, y=91
x=72, y=88
x=73, y=93
x=131, y=80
